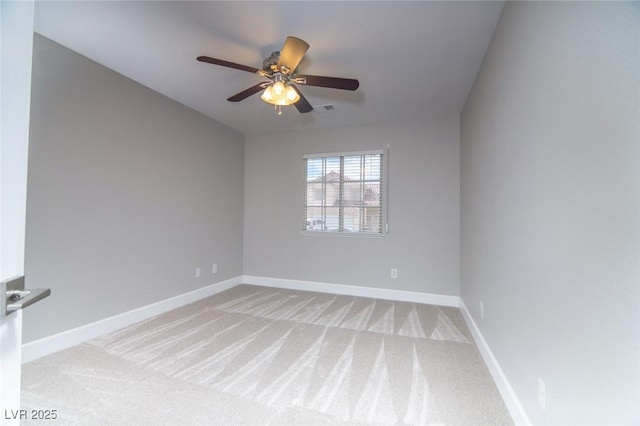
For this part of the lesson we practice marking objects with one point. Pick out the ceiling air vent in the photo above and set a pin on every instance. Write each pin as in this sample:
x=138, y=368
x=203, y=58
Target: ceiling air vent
x=323, y=108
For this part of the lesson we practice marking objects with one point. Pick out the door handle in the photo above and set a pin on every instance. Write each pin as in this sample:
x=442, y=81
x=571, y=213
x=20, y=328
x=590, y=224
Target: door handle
x=13, y=295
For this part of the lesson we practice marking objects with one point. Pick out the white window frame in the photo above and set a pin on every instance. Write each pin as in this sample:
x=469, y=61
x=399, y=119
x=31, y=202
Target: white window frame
x=383, y=195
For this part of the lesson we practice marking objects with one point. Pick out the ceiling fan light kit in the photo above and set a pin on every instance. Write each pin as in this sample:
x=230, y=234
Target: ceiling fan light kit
x=280, y=68
x=280, y=93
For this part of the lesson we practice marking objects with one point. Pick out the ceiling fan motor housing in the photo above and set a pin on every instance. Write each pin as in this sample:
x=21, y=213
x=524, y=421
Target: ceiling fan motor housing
x=271, y=63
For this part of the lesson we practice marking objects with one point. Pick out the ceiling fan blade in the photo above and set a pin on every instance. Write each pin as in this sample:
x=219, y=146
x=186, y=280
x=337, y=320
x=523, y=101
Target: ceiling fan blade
x=291, y=54
x=331, y=82
x=227, y=64
x=303, y=105
x=248, y=92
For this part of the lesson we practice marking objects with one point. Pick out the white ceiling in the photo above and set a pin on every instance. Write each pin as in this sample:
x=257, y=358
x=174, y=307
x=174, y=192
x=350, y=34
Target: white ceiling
x=413, y=59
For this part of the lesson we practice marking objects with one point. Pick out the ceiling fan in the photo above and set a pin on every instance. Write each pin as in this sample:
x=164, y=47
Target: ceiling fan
x=280, y=69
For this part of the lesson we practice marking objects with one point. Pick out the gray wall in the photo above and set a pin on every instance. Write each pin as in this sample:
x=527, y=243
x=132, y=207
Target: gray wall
x=128, y=193
x=423, y=242
x=550, y=207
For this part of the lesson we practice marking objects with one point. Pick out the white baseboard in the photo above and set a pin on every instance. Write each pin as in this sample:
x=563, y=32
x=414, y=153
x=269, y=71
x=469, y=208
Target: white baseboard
x=66, y=339
x=352, y=290
x=509, y=396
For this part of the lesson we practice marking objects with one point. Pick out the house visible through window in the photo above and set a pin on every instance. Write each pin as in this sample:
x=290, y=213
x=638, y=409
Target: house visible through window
x=343, y=193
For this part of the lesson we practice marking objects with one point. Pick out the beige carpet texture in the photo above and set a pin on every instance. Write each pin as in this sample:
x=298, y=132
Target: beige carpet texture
x=266, y=356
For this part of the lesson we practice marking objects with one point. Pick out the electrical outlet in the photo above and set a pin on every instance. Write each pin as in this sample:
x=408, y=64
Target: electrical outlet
x=198, y=272
x=481, y=310
x=214, y=268
x=542, y=395
x=394, y=273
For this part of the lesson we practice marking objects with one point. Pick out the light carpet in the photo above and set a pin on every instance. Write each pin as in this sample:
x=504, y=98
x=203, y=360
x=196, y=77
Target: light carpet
x=267, y=356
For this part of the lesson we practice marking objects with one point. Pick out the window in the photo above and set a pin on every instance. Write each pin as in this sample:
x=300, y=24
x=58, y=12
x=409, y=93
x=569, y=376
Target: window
x=343, y=193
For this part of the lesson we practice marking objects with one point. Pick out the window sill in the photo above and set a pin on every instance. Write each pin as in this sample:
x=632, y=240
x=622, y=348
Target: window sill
x=340, y=234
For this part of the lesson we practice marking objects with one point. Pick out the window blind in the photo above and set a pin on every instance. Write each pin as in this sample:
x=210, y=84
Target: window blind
x=343, y=193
